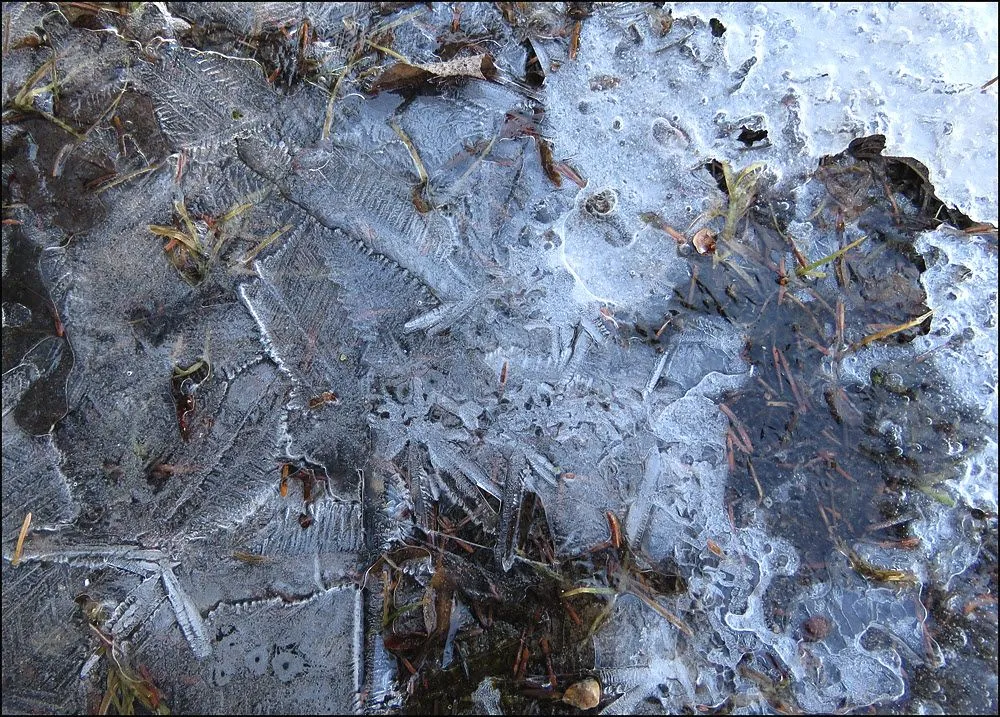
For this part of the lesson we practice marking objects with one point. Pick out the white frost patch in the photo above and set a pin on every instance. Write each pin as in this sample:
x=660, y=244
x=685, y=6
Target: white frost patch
x=961, y=285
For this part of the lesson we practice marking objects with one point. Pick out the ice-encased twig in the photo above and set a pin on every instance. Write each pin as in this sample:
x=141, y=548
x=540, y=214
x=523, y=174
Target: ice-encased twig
x=136, y=608
x=510, y=512
x=188, y=616
x=440, y=318
x=639, y=682
x=655, y=377
x=124, y=557
x=638, y=513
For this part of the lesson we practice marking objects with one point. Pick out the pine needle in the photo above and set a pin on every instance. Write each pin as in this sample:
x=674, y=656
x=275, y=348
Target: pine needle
x=264, y=243
x=809, y=269
x=885, y=333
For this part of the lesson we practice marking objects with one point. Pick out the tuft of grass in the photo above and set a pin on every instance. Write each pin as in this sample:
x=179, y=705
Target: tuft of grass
x=193, y=252
x=742, y=190
x=126, y=688
x=24, y=99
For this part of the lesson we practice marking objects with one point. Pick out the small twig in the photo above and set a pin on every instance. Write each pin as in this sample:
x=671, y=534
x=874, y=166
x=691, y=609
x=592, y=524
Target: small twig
x=328, y=121
x=738, y=425
x=574, y=39
x=777, y=369
x=663, y=612
x=839, y=337
x=803, y=404
x=589, y=591
x=388, y=51
x=756, y=481
x=19, y=547
x=799, y=257
x=885, y=333
x=104, y=114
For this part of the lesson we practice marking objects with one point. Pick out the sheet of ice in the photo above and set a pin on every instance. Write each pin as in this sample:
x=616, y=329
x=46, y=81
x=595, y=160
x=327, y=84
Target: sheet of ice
x=393, y=357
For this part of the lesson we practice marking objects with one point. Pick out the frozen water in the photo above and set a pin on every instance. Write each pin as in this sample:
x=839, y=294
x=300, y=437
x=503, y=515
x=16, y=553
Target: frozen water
x=266, y=335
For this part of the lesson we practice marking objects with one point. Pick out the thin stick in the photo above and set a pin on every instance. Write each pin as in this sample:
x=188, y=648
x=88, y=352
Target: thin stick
x=328, y=121
x=885, y=333
x=799, y=257
x=777, y=369
x=19, y=548
x=756, y=482
x=104, y=114
x=692, y=285
x=388, y=51
x=803, y=404
x=663, y=612
x=738, y=425
x=839, y=340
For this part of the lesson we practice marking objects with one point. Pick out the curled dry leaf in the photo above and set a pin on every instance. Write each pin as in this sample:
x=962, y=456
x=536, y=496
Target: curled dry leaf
x=403, y=75
x=584, y=695
x=704, y=241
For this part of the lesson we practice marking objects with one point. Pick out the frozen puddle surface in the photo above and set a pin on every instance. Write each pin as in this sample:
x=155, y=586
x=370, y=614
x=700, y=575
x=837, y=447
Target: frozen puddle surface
x=496, y=359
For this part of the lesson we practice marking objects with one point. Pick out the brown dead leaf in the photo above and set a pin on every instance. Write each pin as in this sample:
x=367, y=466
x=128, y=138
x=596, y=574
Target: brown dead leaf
x=480, y=67
x=584, y=695
x=704, y=241
x=548, y=162
x=403, y=75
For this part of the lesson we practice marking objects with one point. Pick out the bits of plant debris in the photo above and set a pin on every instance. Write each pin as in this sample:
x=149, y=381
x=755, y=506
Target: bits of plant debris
x=579, y=10
x=404, y=643
x=158, y=474
x=602, y=204
x=584, y=695
x=748, y=136
x=548, y=162
x=891, y=330
x=305, y=520
x=704, y=241
x=403, y=75
x=327, y=397
x=655, y=220
x=286, y=470
x=183, y=385
x=816, y=628
x=249, y=558
x=715, y=548
x=867, y=570
x=661, y=20
x=19, y=547
x=867, y=147
x=602, y=83
x=718, y=29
